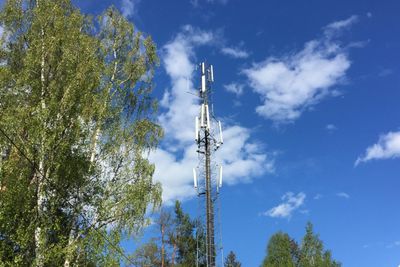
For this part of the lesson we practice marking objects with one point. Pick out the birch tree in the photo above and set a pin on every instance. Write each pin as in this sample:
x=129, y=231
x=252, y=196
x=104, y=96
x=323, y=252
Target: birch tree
x=285, y=251
x=78, y=120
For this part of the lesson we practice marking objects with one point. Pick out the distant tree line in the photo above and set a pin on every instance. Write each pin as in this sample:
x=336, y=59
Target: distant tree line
x=176, y=244
x=283, y=251
x=179, y=242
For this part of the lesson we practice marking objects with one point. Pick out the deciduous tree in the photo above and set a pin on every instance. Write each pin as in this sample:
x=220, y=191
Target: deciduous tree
x=77, y=120
x=283, y=251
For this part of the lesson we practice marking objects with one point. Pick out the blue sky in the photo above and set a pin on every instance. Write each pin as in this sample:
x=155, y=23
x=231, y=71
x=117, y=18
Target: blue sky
x=308, y=93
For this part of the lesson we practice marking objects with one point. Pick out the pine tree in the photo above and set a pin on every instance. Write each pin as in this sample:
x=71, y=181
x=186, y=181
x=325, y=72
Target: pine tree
x=77, y=118
x=184, y=238
x=231, y=261
x=166, y=228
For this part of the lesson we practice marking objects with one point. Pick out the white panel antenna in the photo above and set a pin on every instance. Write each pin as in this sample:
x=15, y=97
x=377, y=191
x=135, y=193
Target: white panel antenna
x=194, y=178
x=202, y=116
x=220, y=176
x=208, y=118
x=197, y=129
x=221, y=140
x=203, y=83
x=212, y=73
x=203, y=68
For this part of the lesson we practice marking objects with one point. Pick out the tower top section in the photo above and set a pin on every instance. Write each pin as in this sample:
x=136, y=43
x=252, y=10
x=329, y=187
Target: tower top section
x=207, y=77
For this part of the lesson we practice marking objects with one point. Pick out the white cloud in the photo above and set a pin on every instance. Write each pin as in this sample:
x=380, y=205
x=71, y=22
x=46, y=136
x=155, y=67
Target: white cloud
x=290, y=84
x=129, y=7
x=318, y=196
x=336, y=27
x=385, y=72
x=330, y=127
x=181, y=100
x=393, y=244
x=234, y=52
x=196, y=3
x=381, y=244
x=290, y=203
x=388, y=146
x=235, y=88
x=343, y=195
x=241, y=158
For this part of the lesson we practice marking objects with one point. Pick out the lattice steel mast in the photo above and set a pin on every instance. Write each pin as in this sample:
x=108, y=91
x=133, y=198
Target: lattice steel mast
x=207, y=182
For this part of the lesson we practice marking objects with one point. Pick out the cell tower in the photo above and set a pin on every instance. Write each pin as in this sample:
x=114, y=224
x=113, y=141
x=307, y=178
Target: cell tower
x=208, y=175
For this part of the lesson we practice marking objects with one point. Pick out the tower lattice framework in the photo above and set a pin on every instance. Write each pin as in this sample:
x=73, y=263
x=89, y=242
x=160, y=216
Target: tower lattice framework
x=208, y=174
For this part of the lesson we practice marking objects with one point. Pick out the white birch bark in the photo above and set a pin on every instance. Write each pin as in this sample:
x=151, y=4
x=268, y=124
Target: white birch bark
x=41, y=179
x=96, y=136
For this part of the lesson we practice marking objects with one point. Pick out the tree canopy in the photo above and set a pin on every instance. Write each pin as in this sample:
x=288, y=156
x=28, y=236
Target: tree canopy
x=285, y=251
x=77, y=120
x=231, y=261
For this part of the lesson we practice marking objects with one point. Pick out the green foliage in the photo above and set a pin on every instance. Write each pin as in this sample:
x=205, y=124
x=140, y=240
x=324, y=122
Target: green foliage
x=312, y=252
x=185, y=239
x=231, y=261
x=281, y=251
x=147, y=255
x=284, y=251
x=180, y=238
x=75, y=98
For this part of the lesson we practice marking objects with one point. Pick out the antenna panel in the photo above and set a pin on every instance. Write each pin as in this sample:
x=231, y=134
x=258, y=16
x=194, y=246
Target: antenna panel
x=202, y=116
x=197, y=129
x=208, y=117
x=203, y=83
x=203, y=68
x=212, y=73
x=220, y=177
x=194, y=178
x=221, y=140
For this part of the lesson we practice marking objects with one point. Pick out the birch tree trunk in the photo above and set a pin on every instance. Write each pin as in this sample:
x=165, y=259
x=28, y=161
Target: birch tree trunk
x=96, y=136
x=41, y=176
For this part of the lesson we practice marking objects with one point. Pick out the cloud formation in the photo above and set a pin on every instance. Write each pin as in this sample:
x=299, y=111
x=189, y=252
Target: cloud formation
x=290, y=84
x=290, y=203
x=388, y=146
x=318, y=196
x=129, y=7
x=343, y=195
x=196, y=3
x=330, y=127
x=234, y=88
x=337, y=26
x=234, y=52
x=242, y=158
